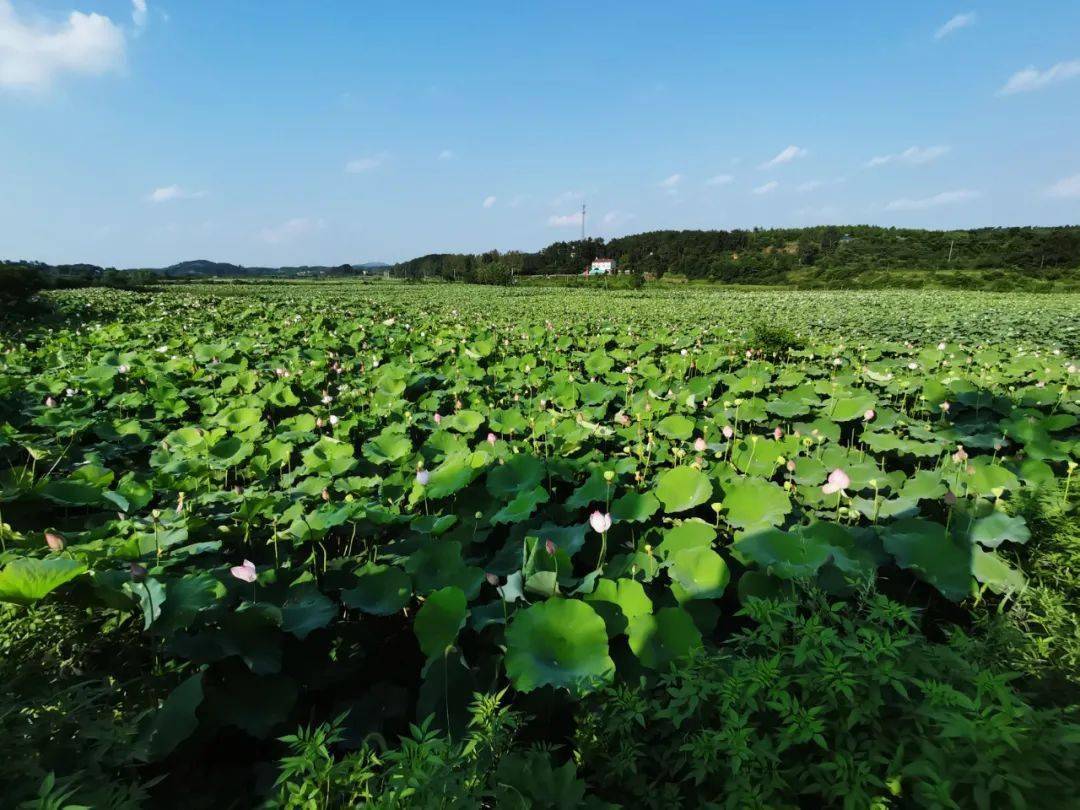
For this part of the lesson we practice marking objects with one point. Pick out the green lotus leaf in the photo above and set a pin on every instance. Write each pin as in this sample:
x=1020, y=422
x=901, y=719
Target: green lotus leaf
x=306, y=610
x=439, y=620
x=925, y=548
x=173, y=722
x=523, y=505
x=256, y=704
x=995, y=573
x=634, y=507
x=693, y=533
x=455, y=473
x=519, y=474
x=438, y=564
x=753, y=503
x=664, y=637
x=697, y=573
x=617, y=601
x=72, y=493
x=381, y=590
x=561, y=643
x=329, y=457
x=463, y=422
x=676, y=426
x=27, y=579
x=994, y=529
x=388, y=447
x=683, y=488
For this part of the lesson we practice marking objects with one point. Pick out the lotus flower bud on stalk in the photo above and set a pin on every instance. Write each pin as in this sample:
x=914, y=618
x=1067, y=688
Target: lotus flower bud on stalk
x=699, y=445
x=960, y=456
x=422, y=477
x=492, y=579
x=728, y=432
x=50, y=402
x=777, y=433
x=437, y=417
x=55, y=541
x=869, y=415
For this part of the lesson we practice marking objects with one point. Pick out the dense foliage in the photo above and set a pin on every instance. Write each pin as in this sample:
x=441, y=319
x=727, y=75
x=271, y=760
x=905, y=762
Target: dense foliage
x=318, y=545
x=825, y=256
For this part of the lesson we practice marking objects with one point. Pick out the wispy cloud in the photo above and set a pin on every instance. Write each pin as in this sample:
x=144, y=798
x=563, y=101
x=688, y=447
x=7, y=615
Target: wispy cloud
x=291, y=230
x=1068, y=187
x=772, y=185
x=912, y=156
x=955, y=24
x=139, y=13
x=944, y=198
x=719, y=180
x=672, y=181
x=785, y=156
x=565, y=220
x=567, y=197
x=614, y=219
x=1031, y=78
x=489, y=202
x=365, y=164
x=33, y=54
x=169, y=193
x=447, y=154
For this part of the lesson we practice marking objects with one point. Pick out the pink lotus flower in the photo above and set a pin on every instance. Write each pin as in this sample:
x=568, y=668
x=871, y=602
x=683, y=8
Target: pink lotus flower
x=245, y=573
x=550, y=548
x=491, y=439
x=699, y=445
x=50, y=402
x=960, y=455
x=777, y=434
x=945, y=406
x=54, y=541
x=838, y=482
x=422, y=477
x=869, y=415
x=728, y=431
x=491, y=579
x=623, y=419
x=600, y=521
x=437, y=417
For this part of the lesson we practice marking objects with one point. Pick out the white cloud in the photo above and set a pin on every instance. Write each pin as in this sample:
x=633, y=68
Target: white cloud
x=567, y=197
x=613, y=219
x=955, y=24
x=785, y=156
x=1066, y=187
x=944, y=198
x=912, y=156
x=365, y=164
x=291, y=230
x=772, y=185
x=34, y=54
x=489, y=202
x=1031, y=78
x=719, y=180
x=139, y=13
x=168, y=193
x=447, y=154
x=565, y=221
x=671, y=182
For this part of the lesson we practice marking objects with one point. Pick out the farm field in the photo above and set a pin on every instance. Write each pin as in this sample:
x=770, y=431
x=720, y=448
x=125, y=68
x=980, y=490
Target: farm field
x=322, y=545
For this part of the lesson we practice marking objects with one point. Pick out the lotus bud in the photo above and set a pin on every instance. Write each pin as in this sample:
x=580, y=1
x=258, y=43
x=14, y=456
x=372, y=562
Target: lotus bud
x=491, y=579
x=491, y=439
x=550, y=548
x=54, y=541
x=699, y=444
x=422, y=477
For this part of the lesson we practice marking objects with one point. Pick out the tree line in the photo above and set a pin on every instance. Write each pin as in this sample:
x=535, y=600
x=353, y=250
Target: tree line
x=817, y=256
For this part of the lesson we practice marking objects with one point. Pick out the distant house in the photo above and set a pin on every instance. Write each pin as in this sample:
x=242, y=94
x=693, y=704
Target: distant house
x=601, y=267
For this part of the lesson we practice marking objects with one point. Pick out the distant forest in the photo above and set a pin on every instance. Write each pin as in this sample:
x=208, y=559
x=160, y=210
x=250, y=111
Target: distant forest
x=825, y=256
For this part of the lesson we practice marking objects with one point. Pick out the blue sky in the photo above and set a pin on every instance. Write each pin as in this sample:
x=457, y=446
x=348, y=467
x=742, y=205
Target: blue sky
x=144, y=132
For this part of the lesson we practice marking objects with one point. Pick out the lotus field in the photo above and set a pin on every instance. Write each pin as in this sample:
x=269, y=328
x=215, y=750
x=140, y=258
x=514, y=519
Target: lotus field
x=240, y=510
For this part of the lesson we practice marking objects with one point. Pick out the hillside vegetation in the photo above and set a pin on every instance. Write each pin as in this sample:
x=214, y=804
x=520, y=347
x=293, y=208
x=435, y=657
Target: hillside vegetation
x=826, y=256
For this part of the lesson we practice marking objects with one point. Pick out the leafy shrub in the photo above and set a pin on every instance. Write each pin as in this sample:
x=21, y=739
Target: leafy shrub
x=495, y=273
x=774, y=339
x=833, y=704
x=427, y=770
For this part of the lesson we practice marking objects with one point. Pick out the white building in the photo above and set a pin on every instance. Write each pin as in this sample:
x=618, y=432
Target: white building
x=601, y=267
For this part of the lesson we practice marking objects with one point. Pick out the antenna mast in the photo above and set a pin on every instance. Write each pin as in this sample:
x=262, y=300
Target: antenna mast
x=583, y=222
